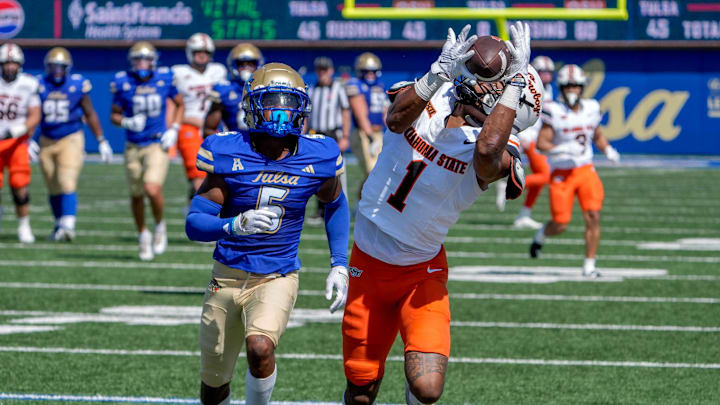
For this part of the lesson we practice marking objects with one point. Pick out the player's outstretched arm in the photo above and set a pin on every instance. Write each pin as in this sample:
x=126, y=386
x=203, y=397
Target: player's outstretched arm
x=337, y=228
x=212, y=119
x=93, y=121
x=602, y=144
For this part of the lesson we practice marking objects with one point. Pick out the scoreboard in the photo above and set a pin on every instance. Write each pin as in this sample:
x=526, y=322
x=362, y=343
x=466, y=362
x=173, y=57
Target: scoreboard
x=313, y=20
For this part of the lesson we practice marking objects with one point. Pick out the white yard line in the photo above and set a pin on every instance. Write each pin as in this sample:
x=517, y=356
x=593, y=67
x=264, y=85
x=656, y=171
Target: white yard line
x=132, y=400
x=338, y=357
x=468, y=296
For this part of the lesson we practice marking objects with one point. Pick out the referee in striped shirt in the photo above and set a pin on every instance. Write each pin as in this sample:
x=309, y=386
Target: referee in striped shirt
x=330, y=114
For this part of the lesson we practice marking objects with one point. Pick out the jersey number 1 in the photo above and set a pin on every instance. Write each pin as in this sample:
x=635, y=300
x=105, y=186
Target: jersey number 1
x=397, y=199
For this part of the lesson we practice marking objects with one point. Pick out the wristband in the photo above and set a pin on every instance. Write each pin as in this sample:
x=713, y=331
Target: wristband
x=428, y=85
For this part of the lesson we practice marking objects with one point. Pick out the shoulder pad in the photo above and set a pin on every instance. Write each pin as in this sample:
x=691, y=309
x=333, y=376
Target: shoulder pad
x=120, y=74
x=77, y=76
x=163, y=69
x=398, y=88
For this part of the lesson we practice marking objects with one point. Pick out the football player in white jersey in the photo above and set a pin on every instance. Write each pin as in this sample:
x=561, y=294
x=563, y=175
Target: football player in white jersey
x=435, y=161
x=540, y=176
x=19, y=116
x=195, y=81
x=569, y=128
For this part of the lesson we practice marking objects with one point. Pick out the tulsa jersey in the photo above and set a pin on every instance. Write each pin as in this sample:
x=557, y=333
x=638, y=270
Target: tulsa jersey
x=195, y=86
x=283, y=186
x=571, y=126
x=229, y=94
x=423, y=179
x=375, y=98
x=148, y=98
x=15, y=99
x=61, y=105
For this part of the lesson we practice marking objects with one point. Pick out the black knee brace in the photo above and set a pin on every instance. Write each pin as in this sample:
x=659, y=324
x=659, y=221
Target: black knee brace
x=20, y=200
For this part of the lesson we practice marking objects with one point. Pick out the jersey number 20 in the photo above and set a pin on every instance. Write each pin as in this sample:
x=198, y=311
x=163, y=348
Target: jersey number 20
x=149, y=104
x=267, y=196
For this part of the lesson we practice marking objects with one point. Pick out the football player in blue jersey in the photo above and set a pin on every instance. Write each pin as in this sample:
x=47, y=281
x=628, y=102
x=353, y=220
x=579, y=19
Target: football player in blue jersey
x=252, y=203
x=139, y=105
x=65, y=101
x=369, y=104
x=226, y=96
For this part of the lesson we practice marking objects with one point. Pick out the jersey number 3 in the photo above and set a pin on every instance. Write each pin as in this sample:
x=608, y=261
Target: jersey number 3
x=414, y=169
x=266, y=197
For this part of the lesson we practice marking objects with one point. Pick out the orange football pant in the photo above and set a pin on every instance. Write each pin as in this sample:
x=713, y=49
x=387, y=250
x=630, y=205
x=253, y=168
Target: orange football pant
x=582, y=181
x=14, y=155
x=540, y=175
x=384, y=299
x=189, y=141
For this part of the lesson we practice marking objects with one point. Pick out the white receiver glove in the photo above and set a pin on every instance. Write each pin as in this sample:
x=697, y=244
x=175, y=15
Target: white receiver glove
x=169, y=137
x=519, y=49
x=337, y=280
x=251, y=222
x=105, y=150
x=136, y=123
x=612, y=154
x=33, y=151
x=449, y=65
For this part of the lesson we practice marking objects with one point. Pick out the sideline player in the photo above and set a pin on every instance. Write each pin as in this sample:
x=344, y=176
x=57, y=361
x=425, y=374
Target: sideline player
x=65, y=101
x=252, y=203
x=140, y=98
x=369, y=104
x=19, y=116
x=568, y=129
x=540, y=176
x=195, y=81
x=226, y=97
x=435, y=162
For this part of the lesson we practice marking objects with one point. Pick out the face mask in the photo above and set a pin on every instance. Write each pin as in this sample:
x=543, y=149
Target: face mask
x=143, y=73
x=8, y=77
x=571, y=98
x=245, y=75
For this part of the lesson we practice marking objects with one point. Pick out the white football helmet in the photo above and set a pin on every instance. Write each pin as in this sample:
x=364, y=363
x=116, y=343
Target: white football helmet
x=530, y=106
x=10, y=52
x=543, y=63
x=570, y=75
x=196, y=43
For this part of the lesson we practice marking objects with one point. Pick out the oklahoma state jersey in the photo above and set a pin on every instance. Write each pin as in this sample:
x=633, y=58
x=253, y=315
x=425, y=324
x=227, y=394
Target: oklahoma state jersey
x=423, y=179
x=195, y=86
x=15, y=98
x=571, y=126
x=531, y=134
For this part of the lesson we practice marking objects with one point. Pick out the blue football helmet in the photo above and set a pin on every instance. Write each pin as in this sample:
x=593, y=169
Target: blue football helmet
x=275, y=101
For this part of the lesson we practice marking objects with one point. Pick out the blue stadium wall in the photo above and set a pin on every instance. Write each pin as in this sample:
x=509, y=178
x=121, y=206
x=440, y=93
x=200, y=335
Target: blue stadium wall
x=655, y=101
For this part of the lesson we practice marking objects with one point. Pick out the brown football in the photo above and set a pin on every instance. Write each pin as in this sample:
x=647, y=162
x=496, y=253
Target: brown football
x=490, y=60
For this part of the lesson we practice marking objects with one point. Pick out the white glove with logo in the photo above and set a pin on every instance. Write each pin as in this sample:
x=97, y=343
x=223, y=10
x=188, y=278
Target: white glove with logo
x=612, y=154
x=136, y=123
x=169, y=137
x=33, y=151
x=449, y=65
x=105, y=150
x=337, y=280
x=251, y=222
x=519, y=49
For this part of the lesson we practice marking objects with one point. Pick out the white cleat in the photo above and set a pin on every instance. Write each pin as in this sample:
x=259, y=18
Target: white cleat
x=526, y=223
x=159, y=240
x=25, y=234
x=591, y=274
x=500, y=198
x=145, y=240
x=62, y=234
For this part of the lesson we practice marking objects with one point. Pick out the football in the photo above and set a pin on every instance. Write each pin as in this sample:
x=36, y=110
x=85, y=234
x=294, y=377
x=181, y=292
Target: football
x=490, y=60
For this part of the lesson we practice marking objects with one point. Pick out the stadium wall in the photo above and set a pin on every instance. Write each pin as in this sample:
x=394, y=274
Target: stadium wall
x=655, y=100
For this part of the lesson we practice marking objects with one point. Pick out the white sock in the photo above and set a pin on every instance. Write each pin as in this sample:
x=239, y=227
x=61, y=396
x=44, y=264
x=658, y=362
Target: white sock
x=540, y=235
x=589, y=265
x=67, y=221
x=259, y=390
x=524, y=212
x=23, y=221
x=410, y=398
x=160, y=225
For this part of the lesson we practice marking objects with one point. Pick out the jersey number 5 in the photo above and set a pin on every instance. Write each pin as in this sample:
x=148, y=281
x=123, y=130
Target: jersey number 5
x=414, y=169
x=266, y=197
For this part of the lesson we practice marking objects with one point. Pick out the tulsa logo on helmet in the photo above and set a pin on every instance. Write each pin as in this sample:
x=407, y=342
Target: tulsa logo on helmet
x=12, y=18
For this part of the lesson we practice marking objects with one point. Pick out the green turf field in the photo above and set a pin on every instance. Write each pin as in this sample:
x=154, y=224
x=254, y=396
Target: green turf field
x=89, y=319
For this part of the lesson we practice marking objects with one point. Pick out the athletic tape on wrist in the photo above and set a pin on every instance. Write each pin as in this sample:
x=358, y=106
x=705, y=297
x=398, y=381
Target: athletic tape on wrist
x=511, y=97
x=428, y=85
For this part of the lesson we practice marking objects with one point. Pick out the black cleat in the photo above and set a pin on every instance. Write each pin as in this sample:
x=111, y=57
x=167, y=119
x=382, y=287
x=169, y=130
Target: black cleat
x=535, y=250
